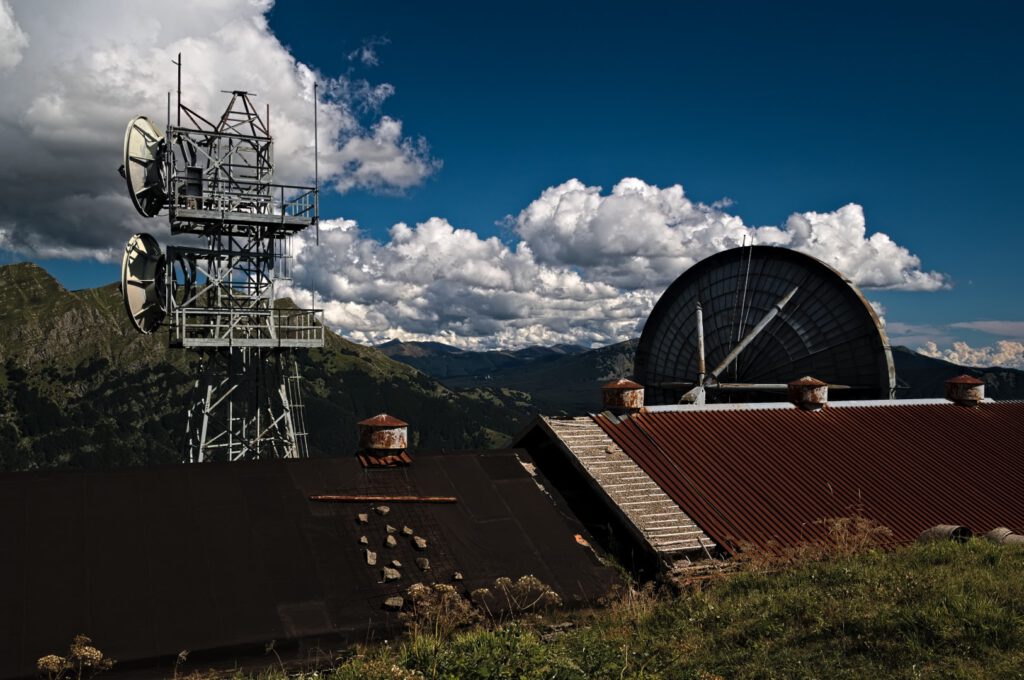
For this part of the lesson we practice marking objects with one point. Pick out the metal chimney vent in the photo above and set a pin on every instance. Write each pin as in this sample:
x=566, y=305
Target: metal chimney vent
x=382, y=441
x=622, y=396
x=965, y=390
x=808, y=393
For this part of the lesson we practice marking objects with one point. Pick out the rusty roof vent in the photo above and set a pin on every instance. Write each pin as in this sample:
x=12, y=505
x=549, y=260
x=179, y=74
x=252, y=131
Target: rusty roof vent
x=622, y=396
x=965, y=390
x=808, y=393
x=382, y=441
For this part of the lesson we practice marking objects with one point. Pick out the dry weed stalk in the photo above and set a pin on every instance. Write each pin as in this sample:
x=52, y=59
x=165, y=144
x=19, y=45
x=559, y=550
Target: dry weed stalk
x=83, y=661
x=841, y=537
x=513, y=599
x=438, y=609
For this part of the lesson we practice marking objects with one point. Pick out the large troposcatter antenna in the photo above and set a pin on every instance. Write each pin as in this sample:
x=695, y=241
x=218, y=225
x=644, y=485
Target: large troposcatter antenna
x=215, y=180
x=743, y=323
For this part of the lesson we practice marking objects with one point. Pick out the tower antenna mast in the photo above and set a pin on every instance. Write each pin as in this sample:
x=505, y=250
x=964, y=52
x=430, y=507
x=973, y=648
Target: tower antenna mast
x=215, y=181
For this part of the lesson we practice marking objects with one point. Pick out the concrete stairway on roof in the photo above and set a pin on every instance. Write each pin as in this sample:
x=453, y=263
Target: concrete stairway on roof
x=653, y=515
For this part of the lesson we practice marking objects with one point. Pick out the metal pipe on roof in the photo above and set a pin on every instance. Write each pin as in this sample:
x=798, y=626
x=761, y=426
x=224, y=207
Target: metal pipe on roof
x=1002, y=535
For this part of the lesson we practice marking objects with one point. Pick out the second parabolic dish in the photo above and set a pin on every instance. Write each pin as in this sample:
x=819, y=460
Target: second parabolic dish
x=770, y=315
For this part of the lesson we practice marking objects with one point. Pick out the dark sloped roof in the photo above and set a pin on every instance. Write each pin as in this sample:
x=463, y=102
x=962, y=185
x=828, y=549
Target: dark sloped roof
x=768, y=476
x=151, y=561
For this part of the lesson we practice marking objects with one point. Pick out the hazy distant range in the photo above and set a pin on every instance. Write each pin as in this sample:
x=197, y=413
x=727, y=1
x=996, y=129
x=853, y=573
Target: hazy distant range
x=565, y=378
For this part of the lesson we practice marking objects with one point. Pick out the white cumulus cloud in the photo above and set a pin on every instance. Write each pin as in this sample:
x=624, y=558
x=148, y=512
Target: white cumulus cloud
x=643, y=235
x=586, y=268
x=74, y=73
x=434, y=281
x=1005, y=354
x=12, y=39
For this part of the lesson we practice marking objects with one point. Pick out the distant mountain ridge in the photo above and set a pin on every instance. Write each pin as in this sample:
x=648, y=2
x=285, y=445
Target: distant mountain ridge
x=560, y=379
x=568, y=382
x=445, y=361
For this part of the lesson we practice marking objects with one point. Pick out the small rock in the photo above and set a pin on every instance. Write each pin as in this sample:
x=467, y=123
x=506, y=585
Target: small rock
x=363, y=518
x=396, y=564
x=390, y=529
x=383, y=510
x=406, y=531
x=371, y=558
x=420, y=543
x=457, y=576
x=390, y=541
x=423, y=563
x=391, y=574
x=363, y=540
x=394, y=603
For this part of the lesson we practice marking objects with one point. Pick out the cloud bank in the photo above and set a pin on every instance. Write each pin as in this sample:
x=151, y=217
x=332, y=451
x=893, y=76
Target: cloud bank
x=73, y=74
x=1005, y=354
x=584, y=267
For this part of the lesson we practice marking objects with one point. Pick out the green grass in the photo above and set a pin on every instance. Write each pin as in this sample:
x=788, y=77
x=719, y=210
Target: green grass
x=926, y=611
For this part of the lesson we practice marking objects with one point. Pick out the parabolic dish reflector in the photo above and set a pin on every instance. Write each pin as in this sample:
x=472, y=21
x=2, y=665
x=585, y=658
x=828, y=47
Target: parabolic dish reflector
x=789, y=314
x=142, y=282
x=143, y=165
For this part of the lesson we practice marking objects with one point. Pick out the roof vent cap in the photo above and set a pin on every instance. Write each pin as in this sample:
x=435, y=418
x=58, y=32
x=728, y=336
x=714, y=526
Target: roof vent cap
x=807, y=393
x=623, y=396
x=383, y=440
x=965, y=390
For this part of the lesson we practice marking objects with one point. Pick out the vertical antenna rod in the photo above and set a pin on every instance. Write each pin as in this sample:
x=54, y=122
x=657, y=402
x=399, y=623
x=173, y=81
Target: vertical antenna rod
x=179, y=88
x=316, y=165
x=700, y=345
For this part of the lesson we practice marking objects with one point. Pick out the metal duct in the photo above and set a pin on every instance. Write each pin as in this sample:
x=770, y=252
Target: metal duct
x=945, y=532
x=1004, y=536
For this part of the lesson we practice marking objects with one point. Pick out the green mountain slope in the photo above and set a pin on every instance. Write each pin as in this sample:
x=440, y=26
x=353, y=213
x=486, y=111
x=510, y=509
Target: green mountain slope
x=80, y=387
x=564, y=379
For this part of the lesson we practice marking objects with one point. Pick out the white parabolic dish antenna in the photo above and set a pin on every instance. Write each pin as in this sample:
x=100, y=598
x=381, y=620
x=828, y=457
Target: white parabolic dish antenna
x=144, y=149
x=741, y=324
x=142, y=282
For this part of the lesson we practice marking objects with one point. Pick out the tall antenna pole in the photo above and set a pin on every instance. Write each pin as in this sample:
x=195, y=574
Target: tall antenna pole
x=700, y=345
x=167, y=156
x=179, y=88
x=316, y=163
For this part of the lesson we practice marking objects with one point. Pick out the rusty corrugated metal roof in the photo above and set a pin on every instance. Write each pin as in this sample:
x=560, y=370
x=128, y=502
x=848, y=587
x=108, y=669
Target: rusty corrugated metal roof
x=769, y=476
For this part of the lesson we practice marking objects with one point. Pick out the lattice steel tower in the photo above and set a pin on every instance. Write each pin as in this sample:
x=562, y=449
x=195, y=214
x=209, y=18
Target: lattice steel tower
x=215, y=180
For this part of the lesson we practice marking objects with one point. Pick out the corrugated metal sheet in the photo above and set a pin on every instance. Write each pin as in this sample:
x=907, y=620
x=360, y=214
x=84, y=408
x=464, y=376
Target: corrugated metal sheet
x=770, y=476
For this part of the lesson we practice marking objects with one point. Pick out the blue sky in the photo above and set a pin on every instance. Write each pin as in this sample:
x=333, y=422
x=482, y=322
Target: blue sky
x=910, y=111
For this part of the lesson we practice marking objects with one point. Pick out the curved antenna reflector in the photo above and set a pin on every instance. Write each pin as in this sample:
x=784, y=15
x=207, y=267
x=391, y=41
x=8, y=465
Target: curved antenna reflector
x=144, y=149
x=142, y=272
x=751, y=319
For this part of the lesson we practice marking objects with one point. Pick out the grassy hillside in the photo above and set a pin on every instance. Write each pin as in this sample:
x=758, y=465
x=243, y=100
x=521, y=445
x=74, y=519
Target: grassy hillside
x=80, y=387
x=942, y=610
